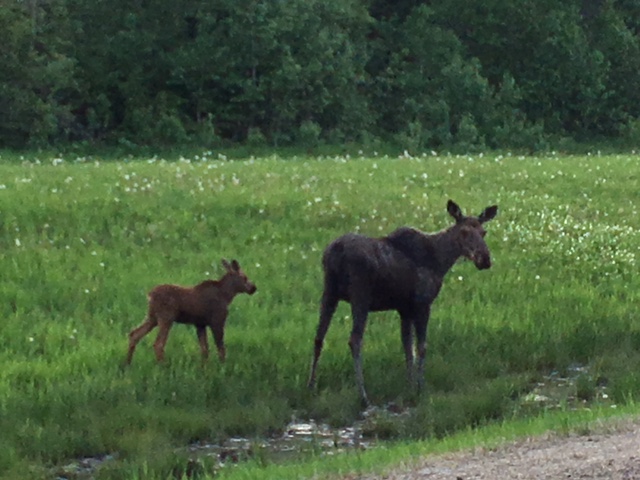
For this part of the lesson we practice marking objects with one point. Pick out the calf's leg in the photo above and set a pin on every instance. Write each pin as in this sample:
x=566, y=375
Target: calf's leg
x=161, y=339
x=202, y=340
x=136, y=335
x=218, y=336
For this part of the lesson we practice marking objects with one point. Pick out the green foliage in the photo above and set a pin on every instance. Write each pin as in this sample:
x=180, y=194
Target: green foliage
x=561, y=76
x=255, y=137
x=274, y=65
x=309, y=134
x=206, y=135
x=467, y=137
x=414, y=138
x=417, y=89
x=630, y=133
x=450, y=75
x=36, y=75
x=618, y=42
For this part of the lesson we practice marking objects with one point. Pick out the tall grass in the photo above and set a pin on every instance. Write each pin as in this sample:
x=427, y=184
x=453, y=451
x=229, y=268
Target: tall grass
x=82, y=241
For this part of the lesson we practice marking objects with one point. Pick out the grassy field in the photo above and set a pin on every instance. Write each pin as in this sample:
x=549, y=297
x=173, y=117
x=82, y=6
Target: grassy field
x=83, y=240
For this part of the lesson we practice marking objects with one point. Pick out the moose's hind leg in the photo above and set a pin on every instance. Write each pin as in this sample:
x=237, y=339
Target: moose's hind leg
x=328, y=306
x=359, y=313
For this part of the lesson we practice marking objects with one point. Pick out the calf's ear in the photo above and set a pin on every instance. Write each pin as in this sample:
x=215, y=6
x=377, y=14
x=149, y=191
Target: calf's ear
x=235, y=265
x=226, y=265
x=488, y=213
x=454, y=210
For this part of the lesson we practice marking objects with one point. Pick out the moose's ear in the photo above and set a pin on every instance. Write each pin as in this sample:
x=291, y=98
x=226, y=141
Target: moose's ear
x=226, y=265
x=454, y=210
x=488, y=213
x=235, y=265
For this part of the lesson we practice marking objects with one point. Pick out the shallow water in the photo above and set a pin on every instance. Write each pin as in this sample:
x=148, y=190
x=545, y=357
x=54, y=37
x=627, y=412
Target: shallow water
x=299, y=437
x=83, y=468
x=558, y=390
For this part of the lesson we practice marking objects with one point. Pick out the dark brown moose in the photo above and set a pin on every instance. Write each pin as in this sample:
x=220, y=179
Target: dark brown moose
x=205, y=305
x=402, y=271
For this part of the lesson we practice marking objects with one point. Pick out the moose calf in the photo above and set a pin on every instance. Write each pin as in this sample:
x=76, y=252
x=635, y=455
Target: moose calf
x=402, y=271
x=205, y=305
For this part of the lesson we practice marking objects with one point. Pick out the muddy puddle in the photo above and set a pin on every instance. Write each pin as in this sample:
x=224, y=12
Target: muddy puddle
x=576, y=388
x=299, y=438
x=84, y=468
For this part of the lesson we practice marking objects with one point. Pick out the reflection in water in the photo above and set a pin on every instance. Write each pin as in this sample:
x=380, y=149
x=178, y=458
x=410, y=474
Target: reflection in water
x=299, y=437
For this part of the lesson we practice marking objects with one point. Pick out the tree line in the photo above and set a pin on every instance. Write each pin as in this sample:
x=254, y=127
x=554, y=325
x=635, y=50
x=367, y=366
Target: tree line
x=420, y=73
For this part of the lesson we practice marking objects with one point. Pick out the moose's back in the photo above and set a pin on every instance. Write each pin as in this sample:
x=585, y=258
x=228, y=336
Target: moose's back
x=372, y=268
x=189, y=305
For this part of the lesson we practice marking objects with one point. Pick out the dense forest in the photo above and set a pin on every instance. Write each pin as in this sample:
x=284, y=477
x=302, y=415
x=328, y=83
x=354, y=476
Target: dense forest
x=419, y=73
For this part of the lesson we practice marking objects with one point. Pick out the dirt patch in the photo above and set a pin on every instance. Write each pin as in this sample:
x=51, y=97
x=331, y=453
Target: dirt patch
x=611, y=453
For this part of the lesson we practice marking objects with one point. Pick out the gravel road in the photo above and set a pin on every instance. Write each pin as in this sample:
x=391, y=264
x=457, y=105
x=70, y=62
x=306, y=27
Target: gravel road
x=611, y=453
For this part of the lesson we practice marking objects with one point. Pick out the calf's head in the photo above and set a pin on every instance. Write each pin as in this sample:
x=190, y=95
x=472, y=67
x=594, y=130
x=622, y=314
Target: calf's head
x=469, y=234
x=237, y=278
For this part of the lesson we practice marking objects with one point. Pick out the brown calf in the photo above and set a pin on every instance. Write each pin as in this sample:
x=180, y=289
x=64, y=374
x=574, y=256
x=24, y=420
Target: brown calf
x=205, y=305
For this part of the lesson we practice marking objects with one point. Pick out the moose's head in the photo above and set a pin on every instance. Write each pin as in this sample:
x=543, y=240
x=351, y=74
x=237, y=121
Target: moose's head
x=470, y=234
x=238, y=279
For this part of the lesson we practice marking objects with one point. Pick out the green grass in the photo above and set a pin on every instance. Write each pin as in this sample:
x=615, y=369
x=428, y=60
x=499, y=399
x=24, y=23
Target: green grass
x=83, y=240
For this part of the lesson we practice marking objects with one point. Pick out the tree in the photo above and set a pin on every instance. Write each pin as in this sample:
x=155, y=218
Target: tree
x=613, y=32
x=274, y=65
x=36, y=75
x=425, y=86
x=541, y=44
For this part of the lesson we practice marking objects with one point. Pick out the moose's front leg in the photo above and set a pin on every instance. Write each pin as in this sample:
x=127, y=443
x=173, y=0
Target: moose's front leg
x=327, y=309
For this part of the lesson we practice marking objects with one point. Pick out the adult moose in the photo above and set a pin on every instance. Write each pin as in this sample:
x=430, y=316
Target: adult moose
x=205, y=305
x=402, y=271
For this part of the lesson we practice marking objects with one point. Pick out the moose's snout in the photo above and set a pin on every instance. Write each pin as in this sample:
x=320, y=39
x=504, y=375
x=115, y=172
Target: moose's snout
x=482, y=262
x=251, y=289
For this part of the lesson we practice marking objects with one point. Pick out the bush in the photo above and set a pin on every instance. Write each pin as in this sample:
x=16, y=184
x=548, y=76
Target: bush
x=414, y=138
x=169, y=130
x=205, y=134
x=309, y=134
x=255, y=137
x=468, y=138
